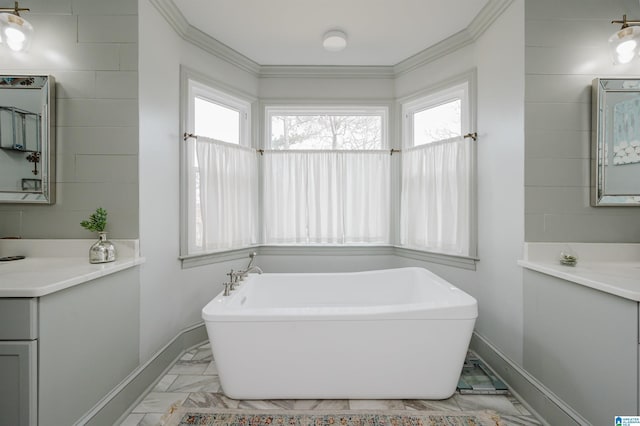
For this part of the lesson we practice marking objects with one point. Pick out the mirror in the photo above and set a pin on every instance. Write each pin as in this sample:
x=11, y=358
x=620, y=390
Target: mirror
x=27, y=136
x=615, y=142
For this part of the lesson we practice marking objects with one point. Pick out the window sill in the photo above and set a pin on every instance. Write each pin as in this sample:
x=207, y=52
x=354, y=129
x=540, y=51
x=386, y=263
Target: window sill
x=202, y=259
x=462, y=262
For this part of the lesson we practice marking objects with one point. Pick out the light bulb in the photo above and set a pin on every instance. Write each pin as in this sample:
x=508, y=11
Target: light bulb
x=16, y=31
x=626, y=47
x=624, y=57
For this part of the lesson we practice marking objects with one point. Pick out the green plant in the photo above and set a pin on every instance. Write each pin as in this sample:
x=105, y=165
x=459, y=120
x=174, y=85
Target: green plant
x=97, y=221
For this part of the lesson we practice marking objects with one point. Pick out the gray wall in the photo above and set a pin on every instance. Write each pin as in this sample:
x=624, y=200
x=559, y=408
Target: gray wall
x=566, y=47
x=91, y=49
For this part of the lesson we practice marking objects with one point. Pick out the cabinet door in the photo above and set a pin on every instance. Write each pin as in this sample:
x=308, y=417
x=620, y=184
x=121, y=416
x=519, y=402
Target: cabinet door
x=18, y=381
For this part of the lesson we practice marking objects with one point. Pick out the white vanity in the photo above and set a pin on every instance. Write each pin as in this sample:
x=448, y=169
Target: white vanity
x=69, y=330
x=581, y=328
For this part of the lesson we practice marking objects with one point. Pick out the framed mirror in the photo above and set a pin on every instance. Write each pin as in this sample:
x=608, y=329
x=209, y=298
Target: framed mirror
x=615, y=142
x=27, y=139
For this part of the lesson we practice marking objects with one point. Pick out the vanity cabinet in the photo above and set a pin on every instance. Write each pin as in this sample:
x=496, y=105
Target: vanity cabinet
x=62, y=352
x=18, y=362
x=582, y=344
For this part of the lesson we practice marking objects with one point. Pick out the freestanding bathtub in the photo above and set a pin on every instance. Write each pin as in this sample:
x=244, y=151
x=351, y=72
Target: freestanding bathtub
x=388, y=334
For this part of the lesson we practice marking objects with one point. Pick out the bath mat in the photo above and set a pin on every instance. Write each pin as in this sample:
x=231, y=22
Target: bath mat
x=186, y=416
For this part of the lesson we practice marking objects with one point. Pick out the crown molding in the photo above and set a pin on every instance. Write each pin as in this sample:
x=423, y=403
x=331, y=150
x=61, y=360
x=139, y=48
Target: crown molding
x=188, y=32
x=489, y=13
x=450, y=44
x=326, y=71
x=172, y=15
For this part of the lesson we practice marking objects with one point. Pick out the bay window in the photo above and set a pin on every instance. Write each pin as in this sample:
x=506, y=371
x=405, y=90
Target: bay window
x=437, y=195
x=326, y=174
x=220, y=202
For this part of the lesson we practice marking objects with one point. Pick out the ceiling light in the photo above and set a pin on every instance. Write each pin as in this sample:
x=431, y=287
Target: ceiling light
x=625, y=43
x=15, y=31
x=334, y=40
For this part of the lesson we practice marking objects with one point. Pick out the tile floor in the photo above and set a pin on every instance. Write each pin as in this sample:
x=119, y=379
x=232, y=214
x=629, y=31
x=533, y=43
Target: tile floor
x=193, y=381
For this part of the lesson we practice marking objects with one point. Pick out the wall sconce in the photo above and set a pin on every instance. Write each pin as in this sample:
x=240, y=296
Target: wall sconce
x=15, y=31
x=625, y=43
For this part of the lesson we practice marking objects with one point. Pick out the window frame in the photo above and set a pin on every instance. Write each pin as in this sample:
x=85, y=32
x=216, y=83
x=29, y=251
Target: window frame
x=465, y=87
x=194, y=84
x=432, y=99
x=316, y=109
x=197, y=89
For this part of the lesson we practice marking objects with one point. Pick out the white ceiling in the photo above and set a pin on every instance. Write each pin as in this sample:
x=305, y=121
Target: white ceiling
x=289, y=32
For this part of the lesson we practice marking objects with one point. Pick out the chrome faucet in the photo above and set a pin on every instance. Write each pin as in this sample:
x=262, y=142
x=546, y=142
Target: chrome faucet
x=252, y=257
x=241, y=275
x=227, y=288
x=233, y=279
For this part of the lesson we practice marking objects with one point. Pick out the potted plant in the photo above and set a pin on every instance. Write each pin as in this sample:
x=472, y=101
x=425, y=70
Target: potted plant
x=103, y=250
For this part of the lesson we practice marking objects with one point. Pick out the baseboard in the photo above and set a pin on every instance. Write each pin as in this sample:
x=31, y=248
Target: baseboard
x=543, y=404
x=114, y=407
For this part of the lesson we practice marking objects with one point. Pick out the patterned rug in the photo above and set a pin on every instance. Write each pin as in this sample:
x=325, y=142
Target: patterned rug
x=184, y=416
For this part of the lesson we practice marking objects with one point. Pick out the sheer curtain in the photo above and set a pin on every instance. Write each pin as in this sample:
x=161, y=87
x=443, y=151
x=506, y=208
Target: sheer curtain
x=436, y=197
x=326, y=197
x=226, y=187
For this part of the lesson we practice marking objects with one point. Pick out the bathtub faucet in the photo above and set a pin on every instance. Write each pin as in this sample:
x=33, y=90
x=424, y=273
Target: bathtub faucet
x=252, y=257
x=242, y=274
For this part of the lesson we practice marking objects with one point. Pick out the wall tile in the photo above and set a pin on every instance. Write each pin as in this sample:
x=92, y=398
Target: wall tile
x=534, y=227
x=128, y=57
x=121, y=223
x=97, y=112
x=568, y=60
x=601, y=227
x=97, y=140
x=75, y=84
x=102, y=7
x=558, y=143
x=78, y=57
x=559, y=172
x=568, y=32
x=558, y=88
x=566, y=48
x=117, y=84
x=575, y=9
x=107, y=168
x=564, y=200
x=52, y=31
x=557, y=116
x=66, y=168
x=10, y=223
x=49, y=7
x=107, y=29
x=88, y=196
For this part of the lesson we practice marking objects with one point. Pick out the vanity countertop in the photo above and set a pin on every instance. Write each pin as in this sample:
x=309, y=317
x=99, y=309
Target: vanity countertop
x=611, y=268
x=44, y=270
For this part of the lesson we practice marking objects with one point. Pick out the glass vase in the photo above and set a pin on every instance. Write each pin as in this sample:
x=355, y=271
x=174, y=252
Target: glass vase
x=103, y=250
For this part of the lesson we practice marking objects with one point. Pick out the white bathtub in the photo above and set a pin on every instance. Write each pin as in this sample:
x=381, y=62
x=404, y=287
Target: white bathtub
x=388, y=334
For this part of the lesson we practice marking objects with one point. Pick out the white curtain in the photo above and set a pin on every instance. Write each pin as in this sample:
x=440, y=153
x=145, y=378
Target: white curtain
x=436, y=197
x=326, y=197
x=226, y=186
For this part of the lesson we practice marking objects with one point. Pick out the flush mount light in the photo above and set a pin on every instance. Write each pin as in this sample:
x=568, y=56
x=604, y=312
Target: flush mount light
x=625, y=43
x=334, y=40
x=15, y=31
